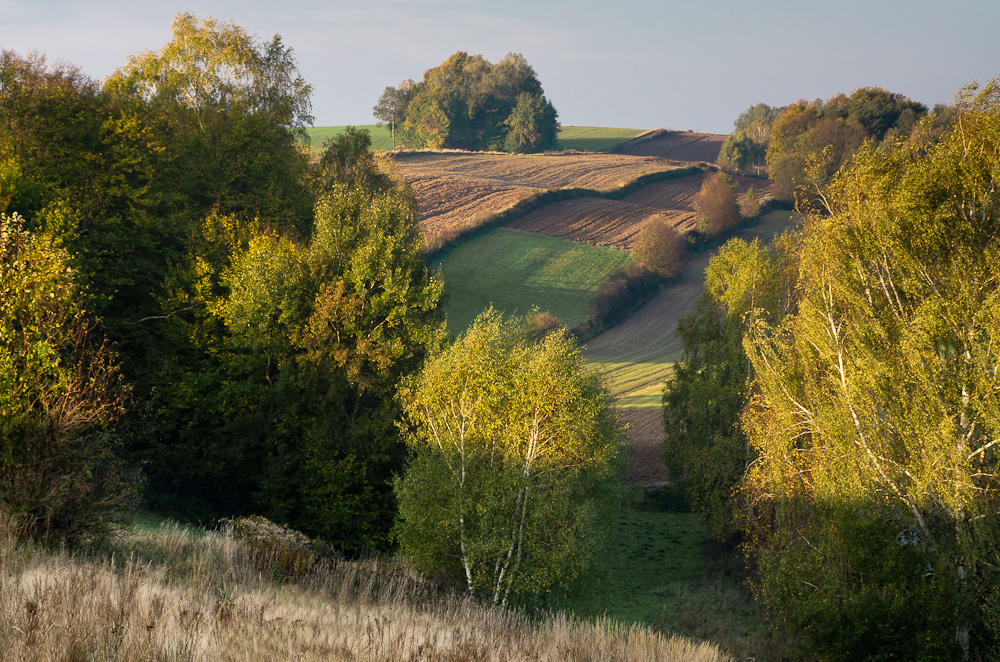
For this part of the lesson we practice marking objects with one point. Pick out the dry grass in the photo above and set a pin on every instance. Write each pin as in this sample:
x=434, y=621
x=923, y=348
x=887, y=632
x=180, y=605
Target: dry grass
x=180, y=594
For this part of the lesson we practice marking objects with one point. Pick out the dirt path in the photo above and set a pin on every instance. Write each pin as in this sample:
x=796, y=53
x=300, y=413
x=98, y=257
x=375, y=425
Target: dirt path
x=638, y=354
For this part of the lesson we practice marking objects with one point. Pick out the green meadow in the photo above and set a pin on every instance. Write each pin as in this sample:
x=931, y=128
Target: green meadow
x=515, y=271
x=593, y=138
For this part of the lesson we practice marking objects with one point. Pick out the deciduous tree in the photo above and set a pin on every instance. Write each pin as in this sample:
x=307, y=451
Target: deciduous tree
x=516, y=457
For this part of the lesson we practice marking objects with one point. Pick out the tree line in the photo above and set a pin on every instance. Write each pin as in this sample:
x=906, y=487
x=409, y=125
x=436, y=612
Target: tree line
x=835, y=407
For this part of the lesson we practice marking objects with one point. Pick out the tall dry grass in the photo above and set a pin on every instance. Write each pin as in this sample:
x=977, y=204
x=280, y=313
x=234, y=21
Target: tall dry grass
x=179, y=594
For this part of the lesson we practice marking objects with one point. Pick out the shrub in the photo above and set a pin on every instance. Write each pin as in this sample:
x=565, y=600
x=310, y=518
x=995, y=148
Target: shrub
x=284, y=553
x=620, y=295
x=716, y=204
x=661, y=247
x=61, y=398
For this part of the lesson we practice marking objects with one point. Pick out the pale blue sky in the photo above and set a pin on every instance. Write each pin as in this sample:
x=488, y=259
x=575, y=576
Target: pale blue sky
x=693, y=64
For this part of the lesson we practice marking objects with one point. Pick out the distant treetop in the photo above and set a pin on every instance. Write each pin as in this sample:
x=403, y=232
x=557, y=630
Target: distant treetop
x=469, y=103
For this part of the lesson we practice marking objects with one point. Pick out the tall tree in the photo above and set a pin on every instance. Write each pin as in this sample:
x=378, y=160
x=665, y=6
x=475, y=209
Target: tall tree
x=391, y=106
x=877, y=406
x=232, y=109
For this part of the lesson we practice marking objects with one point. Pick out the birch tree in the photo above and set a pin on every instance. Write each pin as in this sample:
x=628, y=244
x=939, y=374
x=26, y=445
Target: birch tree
x=879, y=401
x=517, y=455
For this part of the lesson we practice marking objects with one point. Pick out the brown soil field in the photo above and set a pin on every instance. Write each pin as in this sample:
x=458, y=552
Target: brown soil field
x=676, y=146
x=457, y=191
x=617, y=222
x=594, y=220
x=448, y=204
x=597, y=172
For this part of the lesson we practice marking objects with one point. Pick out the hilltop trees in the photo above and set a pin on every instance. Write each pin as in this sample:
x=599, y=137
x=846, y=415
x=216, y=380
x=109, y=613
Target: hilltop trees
x=391, y=106
x=469, y=103
x=516, y=461
x=812, y=141
x=746, y=147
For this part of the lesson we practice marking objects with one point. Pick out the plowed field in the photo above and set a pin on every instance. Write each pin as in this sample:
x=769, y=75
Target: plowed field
x=677, y=146
x=458, y=190
x=616, y=222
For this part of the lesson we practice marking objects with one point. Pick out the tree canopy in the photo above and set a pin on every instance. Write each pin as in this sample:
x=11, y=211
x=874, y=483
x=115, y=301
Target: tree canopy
x=469, y=103
x=875, y=410
x=516, y=458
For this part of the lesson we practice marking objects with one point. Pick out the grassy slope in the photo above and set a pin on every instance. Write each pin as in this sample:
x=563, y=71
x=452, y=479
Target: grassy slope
x=582, y=138
x=593, y=138
x=168, y=592
x=514, y=270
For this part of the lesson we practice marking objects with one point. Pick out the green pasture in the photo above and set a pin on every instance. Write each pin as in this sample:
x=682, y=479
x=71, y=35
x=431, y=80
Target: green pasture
x=667, y=572
x=514, y=271
x=593, y=138
x=381, y=137
x=581, y=138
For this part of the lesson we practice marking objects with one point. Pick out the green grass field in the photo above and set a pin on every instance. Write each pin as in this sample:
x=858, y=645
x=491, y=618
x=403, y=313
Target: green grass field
x=593, y=138
x=381, y=138
x=513, y=271
x=581, y=138
x=668, y=573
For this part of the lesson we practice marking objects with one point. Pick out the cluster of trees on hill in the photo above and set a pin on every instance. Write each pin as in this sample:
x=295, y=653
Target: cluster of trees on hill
x=469, y=103
x=194, y=311
x=804, y=144
x=837, y=401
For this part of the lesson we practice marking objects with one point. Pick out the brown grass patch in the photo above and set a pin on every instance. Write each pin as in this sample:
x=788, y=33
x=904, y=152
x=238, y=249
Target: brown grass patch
x=200, y=598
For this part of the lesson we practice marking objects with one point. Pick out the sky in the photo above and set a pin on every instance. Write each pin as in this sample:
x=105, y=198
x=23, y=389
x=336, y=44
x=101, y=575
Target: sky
x=642, y=64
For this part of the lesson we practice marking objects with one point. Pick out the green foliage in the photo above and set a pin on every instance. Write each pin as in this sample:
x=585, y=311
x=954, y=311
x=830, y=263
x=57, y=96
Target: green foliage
x=516, y=458
x=469, y=103
x=391, y=106
x=60, y=398
x=231, y=110
x=877, y=399
x=348, y=159
x=661, y=247
x=705, y=450
x=531, y=125
x=745, y=148
x=810, y=142
x=298, y=352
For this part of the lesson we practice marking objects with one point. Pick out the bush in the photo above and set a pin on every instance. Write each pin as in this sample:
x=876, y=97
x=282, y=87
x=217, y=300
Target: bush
x=661, y=247
x=284, y=553
x=61, y=398
x=620, y=295
x=716, y=204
